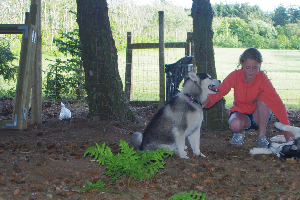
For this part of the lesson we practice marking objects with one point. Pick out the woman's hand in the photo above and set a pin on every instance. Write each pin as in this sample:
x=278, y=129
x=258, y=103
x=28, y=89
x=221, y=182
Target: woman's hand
x=288, y=135
x=205, y=103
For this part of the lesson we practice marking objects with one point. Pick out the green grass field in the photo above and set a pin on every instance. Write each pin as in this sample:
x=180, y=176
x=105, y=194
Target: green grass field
x=281, y=66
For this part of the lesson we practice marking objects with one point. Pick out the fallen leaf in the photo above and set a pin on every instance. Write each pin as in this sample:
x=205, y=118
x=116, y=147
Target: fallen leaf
x=293, y=186
x=291, y=160
x=146, y=195
x=209, y=165
x=201, y=175
x=16, y=192
x=247, y=195
x=221, y=191
x=198, y=187
x=208, y=182
x=14, y=181
x=280, y=182
x=194, y=176
x=22, y=166
x=96, y=171
x=224, y=177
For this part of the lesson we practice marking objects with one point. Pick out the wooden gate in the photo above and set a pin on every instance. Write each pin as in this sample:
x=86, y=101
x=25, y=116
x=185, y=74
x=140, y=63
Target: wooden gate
x=30, y=70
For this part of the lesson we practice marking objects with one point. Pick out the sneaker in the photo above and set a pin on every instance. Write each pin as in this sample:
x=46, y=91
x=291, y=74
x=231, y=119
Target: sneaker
x=237, y=139
x=262, y=141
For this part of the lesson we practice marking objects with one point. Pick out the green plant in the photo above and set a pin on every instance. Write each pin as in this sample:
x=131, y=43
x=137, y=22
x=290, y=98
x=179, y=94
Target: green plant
x=193, y=195
x=7, y=69
x=137, y=164
x=66, y=76
x=91, y=186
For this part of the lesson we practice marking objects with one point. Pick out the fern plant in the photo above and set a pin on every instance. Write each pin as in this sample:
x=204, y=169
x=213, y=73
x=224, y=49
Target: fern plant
x=137, y=164
x=90, y=186
x=193, y=195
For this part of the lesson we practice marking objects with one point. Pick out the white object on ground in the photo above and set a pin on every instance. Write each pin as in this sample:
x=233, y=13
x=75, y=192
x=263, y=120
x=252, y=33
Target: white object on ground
x=65, y=113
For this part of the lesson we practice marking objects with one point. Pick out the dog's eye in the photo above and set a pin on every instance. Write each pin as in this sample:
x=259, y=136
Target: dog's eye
x=209, y=76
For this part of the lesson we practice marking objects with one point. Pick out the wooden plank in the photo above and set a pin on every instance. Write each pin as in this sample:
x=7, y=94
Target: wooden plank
x=188, y=49
x=3, y=124
x=162, y=84
x=27, y=62
x=156, y=45
x=22, y=97
x=36, y=103
x=28, y=82
x=144, y=103
x=23, y=80
x=14, y=29
x=30, y=77
x=128, y=73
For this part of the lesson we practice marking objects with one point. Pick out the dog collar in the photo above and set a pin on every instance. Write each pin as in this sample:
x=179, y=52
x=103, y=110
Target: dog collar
x=193, y=99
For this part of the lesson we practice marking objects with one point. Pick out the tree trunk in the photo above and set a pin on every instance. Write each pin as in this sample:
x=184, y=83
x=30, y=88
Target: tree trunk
x=215, y=118
x=104, y=87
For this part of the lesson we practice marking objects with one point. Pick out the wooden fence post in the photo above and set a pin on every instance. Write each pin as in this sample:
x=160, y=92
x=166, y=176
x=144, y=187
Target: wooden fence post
x=188, y=49
x=128, y=73
x=161, y=60
x=36, y=103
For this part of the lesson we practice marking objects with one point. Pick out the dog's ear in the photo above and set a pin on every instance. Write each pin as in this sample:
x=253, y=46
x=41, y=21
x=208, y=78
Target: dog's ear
x=193, y=76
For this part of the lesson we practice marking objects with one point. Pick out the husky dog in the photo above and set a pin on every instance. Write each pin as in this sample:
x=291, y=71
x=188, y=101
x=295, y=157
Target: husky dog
x=279, y=146
x=178, y=119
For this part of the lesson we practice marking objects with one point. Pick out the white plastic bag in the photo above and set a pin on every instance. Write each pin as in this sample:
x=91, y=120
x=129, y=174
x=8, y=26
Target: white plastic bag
x=65, y=113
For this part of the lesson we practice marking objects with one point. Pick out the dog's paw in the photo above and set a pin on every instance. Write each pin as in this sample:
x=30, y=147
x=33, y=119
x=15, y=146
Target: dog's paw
x=183, y=155
x=278, y=139
x=202, y=155
x=198, y=153
x=256, y=151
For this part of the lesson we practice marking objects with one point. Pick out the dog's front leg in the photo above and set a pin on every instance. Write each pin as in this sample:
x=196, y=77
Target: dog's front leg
x=180, y=142
x=194, y=140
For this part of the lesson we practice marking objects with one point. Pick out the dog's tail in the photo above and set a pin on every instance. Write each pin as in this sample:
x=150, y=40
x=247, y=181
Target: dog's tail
x=136, y=140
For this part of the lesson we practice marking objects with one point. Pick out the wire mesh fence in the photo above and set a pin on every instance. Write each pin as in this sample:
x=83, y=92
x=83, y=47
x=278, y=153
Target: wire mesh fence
x=64, y=77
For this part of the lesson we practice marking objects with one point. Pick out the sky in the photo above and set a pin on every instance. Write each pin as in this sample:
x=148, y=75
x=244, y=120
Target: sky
x=265, y=5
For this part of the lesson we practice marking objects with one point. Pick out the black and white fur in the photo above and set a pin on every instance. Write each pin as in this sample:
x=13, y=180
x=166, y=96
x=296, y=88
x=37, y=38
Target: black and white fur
x=279, y=146
x=178, y=119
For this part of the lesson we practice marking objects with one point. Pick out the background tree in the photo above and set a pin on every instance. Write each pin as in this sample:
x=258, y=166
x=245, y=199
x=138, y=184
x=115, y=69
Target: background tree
x=202, y=14
x=7, y=69
x=104, y=87
x=280, y=16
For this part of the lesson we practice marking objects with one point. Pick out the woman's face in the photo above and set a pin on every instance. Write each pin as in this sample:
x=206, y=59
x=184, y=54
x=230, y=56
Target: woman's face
x=251, y=69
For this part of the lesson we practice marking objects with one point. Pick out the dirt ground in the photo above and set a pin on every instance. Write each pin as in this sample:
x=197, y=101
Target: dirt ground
x=46, y=162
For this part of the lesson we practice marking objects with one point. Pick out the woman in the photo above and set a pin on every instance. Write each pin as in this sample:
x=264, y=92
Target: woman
x=254, y=100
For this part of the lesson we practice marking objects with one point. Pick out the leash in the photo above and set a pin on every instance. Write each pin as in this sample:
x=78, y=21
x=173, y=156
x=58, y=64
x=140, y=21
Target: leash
x=193, y=99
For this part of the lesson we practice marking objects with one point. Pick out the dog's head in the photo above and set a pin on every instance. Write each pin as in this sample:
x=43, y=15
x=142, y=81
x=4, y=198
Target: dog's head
x=290, y=151
x=200, y=85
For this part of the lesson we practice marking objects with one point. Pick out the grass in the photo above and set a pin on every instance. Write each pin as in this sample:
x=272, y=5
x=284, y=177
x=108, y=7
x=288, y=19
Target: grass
x=281, y=66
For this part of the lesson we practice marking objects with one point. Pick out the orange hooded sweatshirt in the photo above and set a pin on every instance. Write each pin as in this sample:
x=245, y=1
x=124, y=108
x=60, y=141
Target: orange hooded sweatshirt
x=246, y=94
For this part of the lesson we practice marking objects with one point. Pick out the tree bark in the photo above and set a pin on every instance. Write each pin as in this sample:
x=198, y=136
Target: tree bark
x=215, y=118
x=103, y=84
